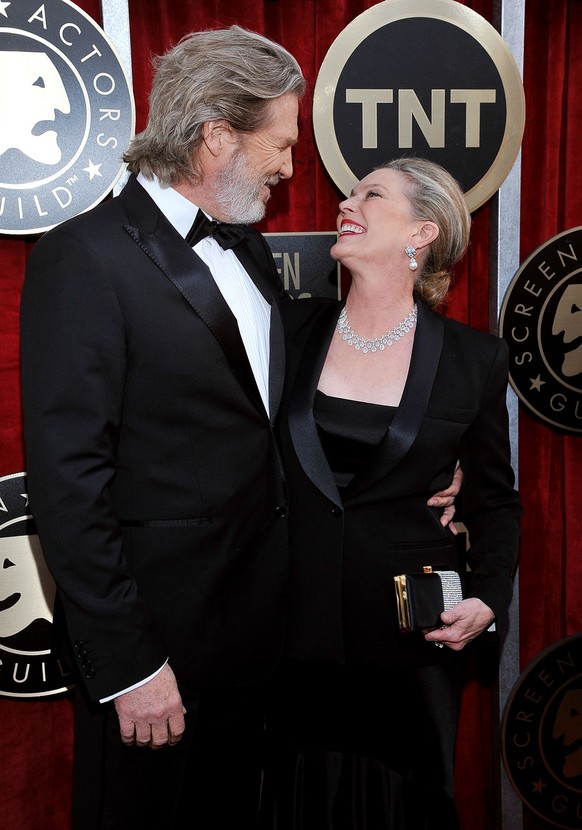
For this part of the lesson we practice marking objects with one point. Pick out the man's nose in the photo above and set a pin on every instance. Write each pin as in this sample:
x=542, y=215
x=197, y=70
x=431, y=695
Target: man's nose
x=286, y=168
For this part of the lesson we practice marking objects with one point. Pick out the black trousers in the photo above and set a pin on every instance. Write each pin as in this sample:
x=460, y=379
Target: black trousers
x=210, y=780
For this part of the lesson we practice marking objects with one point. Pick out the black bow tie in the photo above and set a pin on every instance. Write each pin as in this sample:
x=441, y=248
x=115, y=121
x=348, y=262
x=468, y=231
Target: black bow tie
x=227, y=235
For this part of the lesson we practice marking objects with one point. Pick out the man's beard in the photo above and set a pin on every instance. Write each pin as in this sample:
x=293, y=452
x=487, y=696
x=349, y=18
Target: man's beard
x=240, y=191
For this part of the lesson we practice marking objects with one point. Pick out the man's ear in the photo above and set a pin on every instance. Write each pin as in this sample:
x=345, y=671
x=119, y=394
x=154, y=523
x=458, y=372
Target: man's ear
x=217, y=136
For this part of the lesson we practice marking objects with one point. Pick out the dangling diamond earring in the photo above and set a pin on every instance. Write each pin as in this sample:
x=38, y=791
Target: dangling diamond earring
x=411, y=252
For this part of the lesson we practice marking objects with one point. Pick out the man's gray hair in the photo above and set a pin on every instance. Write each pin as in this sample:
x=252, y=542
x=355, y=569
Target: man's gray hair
x=229, y=74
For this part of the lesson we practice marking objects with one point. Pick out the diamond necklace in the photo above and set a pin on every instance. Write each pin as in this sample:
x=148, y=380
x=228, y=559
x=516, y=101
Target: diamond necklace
x=366, y=344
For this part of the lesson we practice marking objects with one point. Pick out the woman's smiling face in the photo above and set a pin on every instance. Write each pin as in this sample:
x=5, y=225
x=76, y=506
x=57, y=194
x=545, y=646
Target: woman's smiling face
x=375, y=220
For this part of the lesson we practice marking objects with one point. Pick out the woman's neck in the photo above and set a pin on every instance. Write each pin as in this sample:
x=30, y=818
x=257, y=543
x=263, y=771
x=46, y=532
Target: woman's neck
x=374, y=308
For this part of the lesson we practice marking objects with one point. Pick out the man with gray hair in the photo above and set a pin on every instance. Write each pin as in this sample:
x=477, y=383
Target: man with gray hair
x=152, y=370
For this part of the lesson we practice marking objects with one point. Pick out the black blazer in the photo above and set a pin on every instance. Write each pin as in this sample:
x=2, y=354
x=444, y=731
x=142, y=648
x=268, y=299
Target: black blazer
x=153, y=472
x=346, y=551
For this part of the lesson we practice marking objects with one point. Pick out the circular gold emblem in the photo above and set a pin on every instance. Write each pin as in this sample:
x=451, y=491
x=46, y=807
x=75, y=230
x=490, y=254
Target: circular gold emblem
x=430, y=78
x=28, y=666
x=541, y=319
x=67, y=114
x=542, y=734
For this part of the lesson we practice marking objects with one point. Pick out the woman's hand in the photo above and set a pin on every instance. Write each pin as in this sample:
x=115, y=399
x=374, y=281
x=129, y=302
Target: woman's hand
x=446, y=499
x=461, y=624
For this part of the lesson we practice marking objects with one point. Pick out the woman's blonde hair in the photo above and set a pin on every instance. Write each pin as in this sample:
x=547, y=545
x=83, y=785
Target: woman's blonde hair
x=436, y=196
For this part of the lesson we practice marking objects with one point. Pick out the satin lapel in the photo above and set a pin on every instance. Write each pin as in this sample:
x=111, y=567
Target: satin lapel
x=276, y=335
x=301, y=421
x=426, y=353
x=174, y=257
x=276, y=361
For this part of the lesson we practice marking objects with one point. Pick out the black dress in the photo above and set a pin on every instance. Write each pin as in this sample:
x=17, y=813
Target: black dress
x=354, y=746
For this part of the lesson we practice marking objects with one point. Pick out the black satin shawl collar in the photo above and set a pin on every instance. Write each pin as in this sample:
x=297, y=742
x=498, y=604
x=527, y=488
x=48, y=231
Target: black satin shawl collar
x=302, y=424
x=401, y=433
x=191, y=276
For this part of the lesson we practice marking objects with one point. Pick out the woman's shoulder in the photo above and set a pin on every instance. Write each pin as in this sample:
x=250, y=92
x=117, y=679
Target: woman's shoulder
x=472, y=338
x=469, y=347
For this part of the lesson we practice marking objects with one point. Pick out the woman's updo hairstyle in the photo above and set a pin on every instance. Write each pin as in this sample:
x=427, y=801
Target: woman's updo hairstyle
x=436, y=196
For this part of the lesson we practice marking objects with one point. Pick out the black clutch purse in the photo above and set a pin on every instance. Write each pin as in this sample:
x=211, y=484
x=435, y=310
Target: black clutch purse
x=422, y=597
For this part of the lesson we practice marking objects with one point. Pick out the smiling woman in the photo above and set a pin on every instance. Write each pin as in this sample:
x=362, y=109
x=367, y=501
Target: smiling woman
x=364, y=716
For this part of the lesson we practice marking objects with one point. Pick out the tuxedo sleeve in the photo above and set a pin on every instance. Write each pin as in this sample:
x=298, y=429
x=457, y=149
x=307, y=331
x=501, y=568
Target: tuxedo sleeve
x=73, y=358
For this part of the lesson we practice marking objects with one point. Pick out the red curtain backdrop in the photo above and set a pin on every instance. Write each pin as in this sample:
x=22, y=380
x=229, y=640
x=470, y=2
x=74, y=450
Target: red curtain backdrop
x=35, y=737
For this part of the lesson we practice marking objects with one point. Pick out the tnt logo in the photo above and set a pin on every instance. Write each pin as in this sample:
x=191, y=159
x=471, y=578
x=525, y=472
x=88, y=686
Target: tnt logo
x=381, y=94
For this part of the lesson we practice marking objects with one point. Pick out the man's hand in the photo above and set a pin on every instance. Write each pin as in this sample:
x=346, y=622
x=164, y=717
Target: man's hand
x=152, y=715
x=446, y=499
x=461, y=624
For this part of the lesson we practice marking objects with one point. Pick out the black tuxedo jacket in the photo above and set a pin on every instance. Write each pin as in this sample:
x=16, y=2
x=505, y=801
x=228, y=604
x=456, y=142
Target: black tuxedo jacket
x=346, y=550
x=154, y=476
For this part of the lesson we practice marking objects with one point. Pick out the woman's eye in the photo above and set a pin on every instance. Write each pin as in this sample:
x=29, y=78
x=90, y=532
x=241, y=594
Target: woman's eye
x=372, y=193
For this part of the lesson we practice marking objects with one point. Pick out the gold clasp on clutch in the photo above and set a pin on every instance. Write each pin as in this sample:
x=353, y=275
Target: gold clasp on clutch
x=402, y=602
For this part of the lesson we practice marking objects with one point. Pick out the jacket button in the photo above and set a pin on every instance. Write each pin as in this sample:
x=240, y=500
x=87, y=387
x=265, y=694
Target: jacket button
x=280, y=512
x=336, y=511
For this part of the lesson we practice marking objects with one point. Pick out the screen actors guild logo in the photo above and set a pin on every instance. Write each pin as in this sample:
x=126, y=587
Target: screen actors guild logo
x=28, y=667
x=380, y=94
x=542, y=734
x=67, y=114
x=541, y=319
